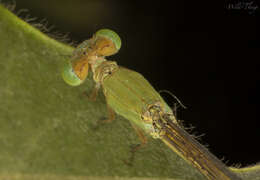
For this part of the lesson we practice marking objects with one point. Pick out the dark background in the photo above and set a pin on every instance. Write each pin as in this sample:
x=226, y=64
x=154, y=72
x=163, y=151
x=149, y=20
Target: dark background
x=210, y=63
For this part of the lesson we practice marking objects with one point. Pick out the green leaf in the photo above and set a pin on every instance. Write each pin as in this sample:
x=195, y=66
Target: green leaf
x=49, y=130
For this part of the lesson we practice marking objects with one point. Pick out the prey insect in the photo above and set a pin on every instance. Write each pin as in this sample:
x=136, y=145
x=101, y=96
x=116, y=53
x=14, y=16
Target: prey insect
x=130, y=95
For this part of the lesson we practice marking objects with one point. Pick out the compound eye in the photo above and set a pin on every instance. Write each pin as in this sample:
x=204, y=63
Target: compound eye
x=108, y=42
x=69, y=75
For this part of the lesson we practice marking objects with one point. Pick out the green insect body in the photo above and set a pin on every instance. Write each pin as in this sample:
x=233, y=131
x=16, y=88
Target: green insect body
x=128, y=93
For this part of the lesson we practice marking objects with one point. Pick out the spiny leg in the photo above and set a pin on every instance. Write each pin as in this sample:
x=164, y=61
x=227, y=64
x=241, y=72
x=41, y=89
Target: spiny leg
x=111, y=114
x=174, y=109
x=176, y=105
x=141, y=136
x=110, y=118
x=136, y=147
x=94, y=93
x=110, y=111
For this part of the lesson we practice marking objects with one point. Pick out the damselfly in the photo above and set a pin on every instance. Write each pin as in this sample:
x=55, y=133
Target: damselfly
x=130, y=95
